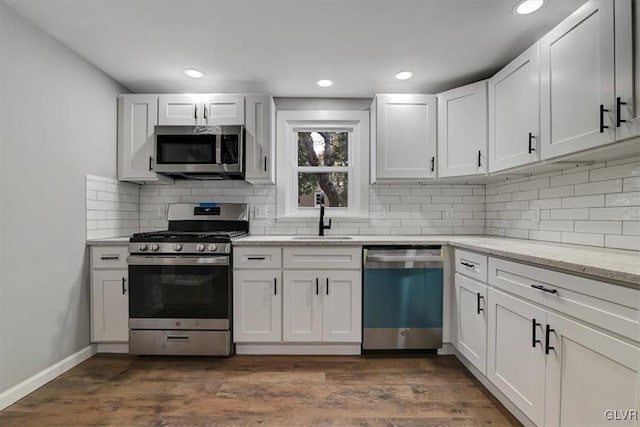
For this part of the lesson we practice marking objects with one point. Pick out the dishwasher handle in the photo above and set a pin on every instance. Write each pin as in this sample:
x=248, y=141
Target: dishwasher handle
x=404, y=258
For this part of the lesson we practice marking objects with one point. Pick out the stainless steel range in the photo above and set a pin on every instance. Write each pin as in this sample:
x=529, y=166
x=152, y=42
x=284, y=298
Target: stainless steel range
x=180, y=281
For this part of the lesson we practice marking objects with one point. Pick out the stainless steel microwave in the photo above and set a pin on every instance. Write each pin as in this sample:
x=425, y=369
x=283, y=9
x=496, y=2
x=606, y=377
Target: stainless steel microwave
x=199, y=152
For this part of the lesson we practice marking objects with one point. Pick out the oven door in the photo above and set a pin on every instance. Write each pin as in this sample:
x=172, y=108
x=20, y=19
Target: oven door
x=179, y=292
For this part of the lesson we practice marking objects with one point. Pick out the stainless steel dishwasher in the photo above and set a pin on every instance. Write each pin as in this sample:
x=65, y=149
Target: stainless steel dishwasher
x=402, y=301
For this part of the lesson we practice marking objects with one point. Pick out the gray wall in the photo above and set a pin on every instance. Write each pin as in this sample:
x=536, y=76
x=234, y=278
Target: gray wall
x=59, y=124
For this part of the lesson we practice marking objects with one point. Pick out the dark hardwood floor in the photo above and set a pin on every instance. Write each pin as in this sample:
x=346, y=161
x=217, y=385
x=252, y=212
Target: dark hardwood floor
x=122, y=390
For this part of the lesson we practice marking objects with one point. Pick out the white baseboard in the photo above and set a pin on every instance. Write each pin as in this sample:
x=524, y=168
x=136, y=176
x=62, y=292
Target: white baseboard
x=495, y=392
x=113, y=348
x=31, y=384
x=299, y=349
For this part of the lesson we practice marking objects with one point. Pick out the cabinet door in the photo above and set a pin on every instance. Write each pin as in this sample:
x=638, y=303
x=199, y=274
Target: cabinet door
x=257, y=306
x=627, y=20
x=462, y=130
x=471, y=306
x=405, y=136
x=577, y=75
x=222, y=109
x=515, y=358
x=137, y=117
x=260, y=110
x=588, y=374
x=514, y=108
x=302, y=310
x=179, y=110
x=342, y=307
x=110, y=305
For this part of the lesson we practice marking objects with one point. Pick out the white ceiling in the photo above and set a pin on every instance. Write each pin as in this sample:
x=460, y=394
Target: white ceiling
x=283, y=47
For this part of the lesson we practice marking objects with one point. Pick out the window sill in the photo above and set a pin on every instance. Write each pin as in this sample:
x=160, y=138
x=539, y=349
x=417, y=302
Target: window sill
x=299, y=218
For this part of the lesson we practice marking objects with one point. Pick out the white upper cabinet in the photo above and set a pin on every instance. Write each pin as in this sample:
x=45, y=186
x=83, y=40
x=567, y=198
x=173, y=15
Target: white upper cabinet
x=403, y=139
x=179, y=110
x=627, y=34
x=200, y=110
x=260, y=126
x=137, y=117
x=577, y=82
x=222, y=109
x=514, y=112
x=462, y=131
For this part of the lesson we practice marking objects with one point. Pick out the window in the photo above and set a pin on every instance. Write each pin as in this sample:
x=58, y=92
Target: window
x=323, y=152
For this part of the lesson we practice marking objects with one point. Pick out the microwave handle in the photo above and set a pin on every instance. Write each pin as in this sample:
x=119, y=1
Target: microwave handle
x=218, y=149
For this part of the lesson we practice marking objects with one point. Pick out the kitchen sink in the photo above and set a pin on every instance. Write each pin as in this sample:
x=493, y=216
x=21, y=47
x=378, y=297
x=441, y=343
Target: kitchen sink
x=323, y=238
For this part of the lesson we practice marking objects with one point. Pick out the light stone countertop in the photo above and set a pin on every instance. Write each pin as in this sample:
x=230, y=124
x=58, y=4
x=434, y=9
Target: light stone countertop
x=615, y=265
x=110, y=241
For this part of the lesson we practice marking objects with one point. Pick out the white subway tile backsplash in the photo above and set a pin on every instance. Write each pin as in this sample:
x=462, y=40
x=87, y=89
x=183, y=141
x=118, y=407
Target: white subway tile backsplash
x=623, y=242
x=575, y=213
x=631, y=228
x=564, y=191
x=602, y=187
x=612, y=172
x=624, y=199
x=569, y=178
x=607, y=227
x=626, y=213
x=590, y=239
x=594, y=201
x=112, y=208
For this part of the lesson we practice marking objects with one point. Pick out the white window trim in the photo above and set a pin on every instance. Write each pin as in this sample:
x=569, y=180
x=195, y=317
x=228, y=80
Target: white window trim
x=287, y=122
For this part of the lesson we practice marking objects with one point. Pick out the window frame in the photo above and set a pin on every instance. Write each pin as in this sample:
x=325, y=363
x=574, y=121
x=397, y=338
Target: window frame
x=288, y=123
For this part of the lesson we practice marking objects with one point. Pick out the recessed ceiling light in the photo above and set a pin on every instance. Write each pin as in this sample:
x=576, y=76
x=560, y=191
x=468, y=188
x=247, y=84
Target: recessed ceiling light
x=324, y=83
x=525, y=7
x=194, y=74
x=404, y=75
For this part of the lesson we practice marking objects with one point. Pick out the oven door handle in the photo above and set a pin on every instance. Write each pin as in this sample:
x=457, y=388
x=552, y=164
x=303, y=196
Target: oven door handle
x=177, y=260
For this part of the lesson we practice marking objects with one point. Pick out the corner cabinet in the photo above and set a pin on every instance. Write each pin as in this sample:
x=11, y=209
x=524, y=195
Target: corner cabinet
x=200, y=110
x=403, y=137
x=137, y=118
x=462, y=131
x=514, y=113
x=260, y=128
x=109, y=294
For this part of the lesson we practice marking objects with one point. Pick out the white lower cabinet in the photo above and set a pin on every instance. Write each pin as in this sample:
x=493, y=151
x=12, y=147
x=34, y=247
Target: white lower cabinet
x=285, y=298
x=109, y=294
x=471, y=306
x=515, y=356
x=322, y=306
x=257, y=306
x=589, y=373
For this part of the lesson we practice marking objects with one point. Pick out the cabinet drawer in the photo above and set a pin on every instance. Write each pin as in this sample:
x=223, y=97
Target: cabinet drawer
x=112, y=257
x=258, y=257
x=323, y=257
x=611, y=307
x=472, y=265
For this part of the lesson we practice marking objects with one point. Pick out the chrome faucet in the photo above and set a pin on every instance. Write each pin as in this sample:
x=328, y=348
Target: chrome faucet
x=321, y=226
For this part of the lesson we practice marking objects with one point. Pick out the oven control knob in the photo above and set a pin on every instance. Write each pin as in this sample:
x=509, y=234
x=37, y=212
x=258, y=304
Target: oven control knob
x=200, y=247
x=212, y=247
x=142, y=247
x=155, y=247
x=178, y=247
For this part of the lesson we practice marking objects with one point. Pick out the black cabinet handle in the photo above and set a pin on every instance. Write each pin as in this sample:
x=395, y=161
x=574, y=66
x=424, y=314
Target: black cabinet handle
x=602, y=111
x=480, y=297
x=534, y=341
x=265, y=163
x=256, y=258
x=547, y=334
x=275, y=286
x=479, y=158
x=531, y=149
x=124, y=289
x=317, y=287
x=110, y=257
x=433, y=163
x=542, y=288
x=466, y=264
x=205, y=112
x=619, y=104
x=195, y=112
x=327, y=286
x=150, y=163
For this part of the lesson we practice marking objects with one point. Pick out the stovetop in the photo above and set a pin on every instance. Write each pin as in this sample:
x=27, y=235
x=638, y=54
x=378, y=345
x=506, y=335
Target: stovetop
x=187, y=236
